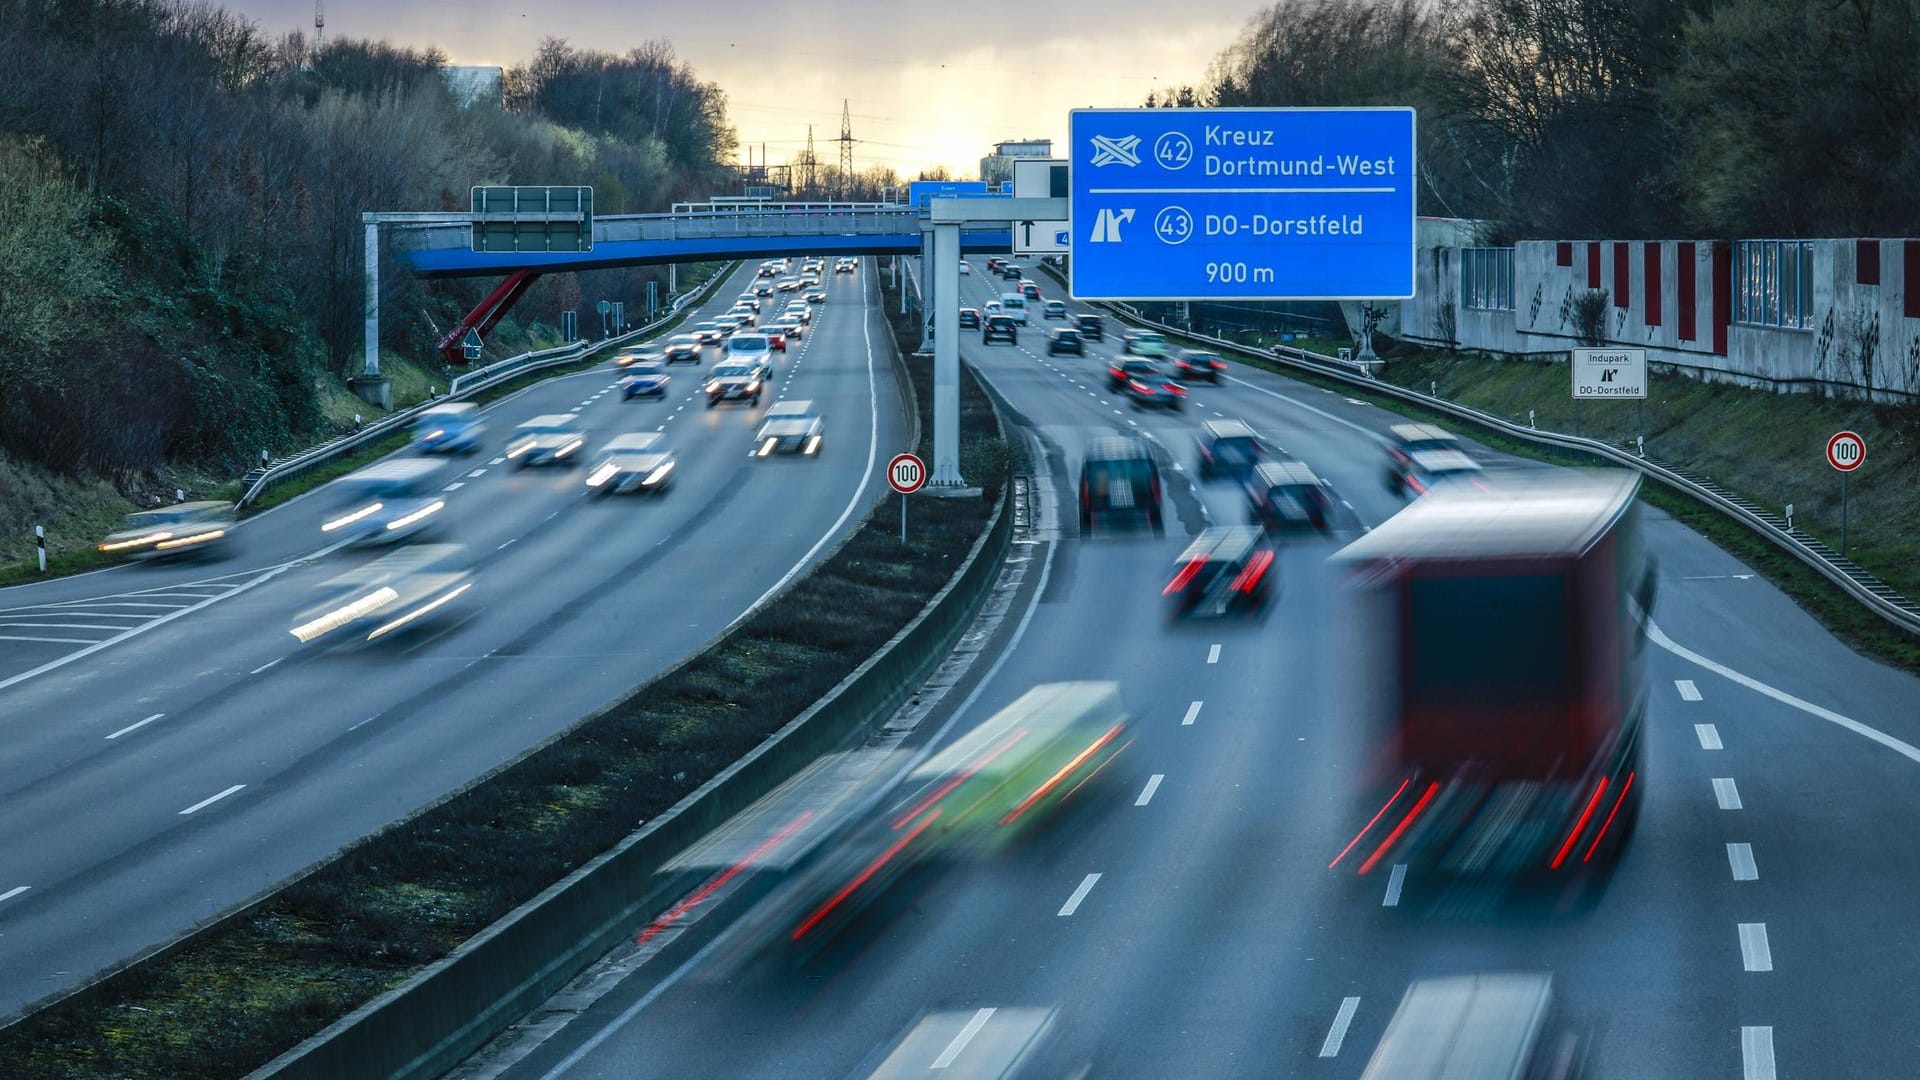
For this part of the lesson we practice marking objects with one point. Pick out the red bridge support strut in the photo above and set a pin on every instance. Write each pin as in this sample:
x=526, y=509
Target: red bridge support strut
x=487, y=313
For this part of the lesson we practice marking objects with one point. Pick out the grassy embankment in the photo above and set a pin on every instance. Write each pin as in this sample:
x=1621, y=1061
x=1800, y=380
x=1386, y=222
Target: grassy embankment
x=243, y=992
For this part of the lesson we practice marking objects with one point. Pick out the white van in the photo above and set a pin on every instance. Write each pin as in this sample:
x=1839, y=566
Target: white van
x=1015, y=305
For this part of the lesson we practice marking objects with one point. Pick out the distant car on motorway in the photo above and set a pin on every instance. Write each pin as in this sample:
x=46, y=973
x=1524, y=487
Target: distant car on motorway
x=1011, y=271
x=1000, y=328
x=734, y=380
x=1430, y=469
x=776, y=338
x=1229, y=448
x=846, y=266
x=451, y=428
x=1122, y=371
x=1065, y=339
x=799, y=309
x=387, y=501
x=1119, y=480
x=969, y=318
x=791, y=284
x=993, y=264
x=992, y=308
x=647, y=379
x=790, y=427
x=709, y=332
x=755, y=349
x=1194, y=364
x=1143, y=343
x=767, y=269
x=749, y=300
x=1288, y=495
x=1226, y=569
x=763, y=288
x=637, y=461
x=1158, y=390
x=381, y=599
x=1030, y=290
x=181, y=529
x=966, y=268
x=731, y=323
x=1092, y=327
x=682, y=348
x=1406, y=440
x=1015, y=307
x=817, y=296
x=552, y=439
x=1052, y=309
x=787, y=327
x=751, y=315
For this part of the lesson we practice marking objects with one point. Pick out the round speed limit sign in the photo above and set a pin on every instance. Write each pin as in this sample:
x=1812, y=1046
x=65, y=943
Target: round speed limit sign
x=906, y=473
x=1846, y=451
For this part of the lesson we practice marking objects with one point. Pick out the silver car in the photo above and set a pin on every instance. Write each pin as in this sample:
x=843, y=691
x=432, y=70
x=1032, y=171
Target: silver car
x=638, y=461
x=183, y=528
x=552, y=439
x=790, y=427
x=390, y=594
x=387, y=502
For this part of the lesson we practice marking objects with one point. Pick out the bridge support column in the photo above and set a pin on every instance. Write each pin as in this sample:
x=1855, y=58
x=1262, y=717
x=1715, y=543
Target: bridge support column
x=943, y=311
x=370, y=386
x=926, y=289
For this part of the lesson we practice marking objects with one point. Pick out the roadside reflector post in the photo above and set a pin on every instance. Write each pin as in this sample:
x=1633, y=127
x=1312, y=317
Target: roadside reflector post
x=40, y=542
x=1789, y=517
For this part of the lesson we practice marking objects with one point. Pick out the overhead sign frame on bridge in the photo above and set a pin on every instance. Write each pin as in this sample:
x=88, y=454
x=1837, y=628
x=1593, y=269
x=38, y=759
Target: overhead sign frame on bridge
x=1242, y=204
x=523, y=219
x=1040, y=178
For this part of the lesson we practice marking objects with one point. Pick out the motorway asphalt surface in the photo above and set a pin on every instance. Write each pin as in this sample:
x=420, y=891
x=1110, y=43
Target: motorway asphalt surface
x=157, y=781
x=1182, y=921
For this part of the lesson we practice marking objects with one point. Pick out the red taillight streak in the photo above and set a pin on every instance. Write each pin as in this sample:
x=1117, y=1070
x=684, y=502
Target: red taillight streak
x=873, y=868
x=1255, y=570
x=1176, y=388
x=1580, y=826
x=1351, y=844
x=704, y=891
x=947, y=788
x=1108, y=760
x=1065, y=771
x=1393, y=837
x=1418, y=487
x=1607, y=824
x=1185, y=575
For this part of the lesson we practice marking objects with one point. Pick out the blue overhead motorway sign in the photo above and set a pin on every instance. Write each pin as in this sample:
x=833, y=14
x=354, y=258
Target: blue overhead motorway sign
x=1242, y=204
x=919, y=191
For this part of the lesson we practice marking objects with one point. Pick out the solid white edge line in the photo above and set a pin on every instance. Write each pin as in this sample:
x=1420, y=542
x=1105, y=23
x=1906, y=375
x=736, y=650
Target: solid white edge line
x=1755, y=953
x=210, y=800
x=136, y=726
x=1898, y=746
x=1153, y=785
x=1709, y=737
x=1756, y=1053
x=1726, y=793
x=1193, y=711
x=1395, y=881
x=961, y=1040
x=1079, y=894
x=1740, y=861
x=13, y=892
x=1688, y=691
x=1337, y=1034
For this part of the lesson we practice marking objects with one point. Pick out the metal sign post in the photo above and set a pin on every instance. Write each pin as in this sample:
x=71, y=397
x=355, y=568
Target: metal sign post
x=906, y=474
x=1846, y=451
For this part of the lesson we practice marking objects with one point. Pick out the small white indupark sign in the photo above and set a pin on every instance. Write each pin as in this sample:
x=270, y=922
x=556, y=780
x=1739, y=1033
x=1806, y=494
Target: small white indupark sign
x=1609, y=373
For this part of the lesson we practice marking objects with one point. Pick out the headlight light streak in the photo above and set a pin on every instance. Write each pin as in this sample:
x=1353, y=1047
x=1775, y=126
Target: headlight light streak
x=569, y=448
x=657, y=475
x=358, y=515
x=387, y=628
x=341, y=616
x=603, y=474
x=138, y=541
x=421, y=514
x=767, y=447
x=187, y=541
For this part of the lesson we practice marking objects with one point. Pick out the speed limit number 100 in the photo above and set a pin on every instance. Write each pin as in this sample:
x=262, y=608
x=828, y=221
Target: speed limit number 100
x=906, y=473
x=1846, y=450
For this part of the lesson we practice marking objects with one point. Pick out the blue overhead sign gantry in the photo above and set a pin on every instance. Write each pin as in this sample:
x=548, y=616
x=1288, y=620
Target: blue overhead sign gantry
x=920, y=191
x=1242, y=204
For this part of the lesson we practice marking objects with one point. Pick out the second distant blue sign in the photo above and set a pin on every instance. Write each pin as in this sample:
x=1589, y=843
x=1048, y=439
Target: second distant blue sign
x=1242, y=204
x=921, y=192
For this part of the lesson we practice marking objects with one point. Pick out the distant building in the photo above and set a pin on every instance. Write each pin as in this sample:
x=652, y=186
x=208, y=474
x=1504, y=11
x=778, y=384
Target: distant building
x=473, y=84
x=997, y=168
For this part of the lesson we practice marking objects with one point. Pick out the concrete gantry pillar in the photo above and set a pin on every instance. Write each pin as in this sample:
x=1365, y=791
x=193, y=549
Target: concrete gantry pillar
x=372, y=370
x=946, y=356
x=926, y=287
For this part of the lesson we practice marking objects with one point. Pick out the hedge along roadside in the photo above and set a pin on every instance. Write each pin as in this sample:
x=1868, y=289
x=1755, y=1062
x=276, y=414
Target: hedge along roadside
x=260, y=979
x=1896, y=612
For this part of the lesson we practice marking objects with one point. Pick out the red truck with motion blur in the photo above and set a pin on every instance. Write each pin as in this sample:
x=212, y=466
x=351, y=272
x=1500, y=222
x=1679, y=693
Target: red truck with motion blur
x=1503, y=627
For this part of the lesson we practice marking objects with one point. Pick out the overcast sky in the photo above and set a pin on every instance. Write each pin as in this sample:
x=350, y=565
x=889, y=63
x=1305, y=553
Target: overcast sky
x=928, y=83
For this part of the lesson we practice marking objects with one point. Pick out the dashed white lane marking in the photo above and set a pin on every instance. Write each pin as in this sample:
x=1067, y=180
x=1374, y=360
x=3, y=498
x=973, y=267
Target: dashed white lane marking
x=1073, y=902
x=48, y=640
x=1153, y=785
x=1395, y=881
x=1726, y=793
x=1756, y=1053
x=476, y=474
x=497, y=461
x=1213, y=655
x=1755, y=953
x=13, y=892
x=961, y=1039
x=1337, y=1034
x=1904, y=749
x=455, y=486
x=1740, y=859
x=503, y=546
x=1357, y=401
x=264, y=666
x=1708, y=735
x=1688, y=691
x=211, y=799
x=137, y=725
x=1193, y=710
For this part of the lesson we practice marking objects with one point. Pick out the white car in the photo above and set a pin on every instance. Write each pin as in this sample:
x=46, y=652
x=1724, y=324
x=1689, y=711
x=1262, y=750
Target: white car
x=755, y=349
x=790, y=426
x=637, y=461
x=846, y=266
x=788, y=326
x=387, y=595
x=966, y=268
x=552, y=439
x=799, y=310
x=388, y=501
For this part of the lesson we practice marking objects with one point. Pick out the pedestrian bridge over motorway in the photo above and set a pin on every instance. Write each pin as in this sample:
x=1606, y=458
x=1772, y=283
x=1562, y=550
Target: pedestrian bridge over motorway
x=690, y=235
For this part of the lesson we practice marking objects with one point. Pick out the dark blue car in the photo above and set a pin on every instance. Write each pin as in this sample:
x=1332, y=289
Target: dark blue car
x=645, y=379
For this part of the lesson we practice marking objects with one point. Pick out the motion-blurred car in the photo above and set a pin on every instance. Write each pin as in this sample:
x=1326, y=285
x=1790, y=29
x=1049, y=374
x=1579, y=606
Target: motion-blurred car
x=1229, y=448
x=452, y=428
x=730, y=324
x=993, y=264
x=749, y=300
x=552, y=439
x=1119, y=480
x=637, y=461
x=755, y=349
x=1485, y=1025
x=768, y=269
x=1430, y=469
x=817, y=296
x=1190, y=364
x=709, y=332
x=184, y=528
x=1011, y=271
x=1030, y=289
x=764, y=288
x=786, y=327
x=790, y=427
x=1159, y=390
x=776, y=338
x=386, y=502
x=1092, y=327
x=991, y=308
x=969, y=318
x=1284, y=495
x=1053, y=309
x=791, y=284
x=1406, y=440
x=635, y=354
x=390, y=594
x=1224, y=570
x=1065, y=339
x=1000, y=328
x=646, y=379
x=846, y=266
x=1143, y=343
x=1120, y=372
x=733, y=380
x=748, y=315
x=682, y=348
x=799, y=310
